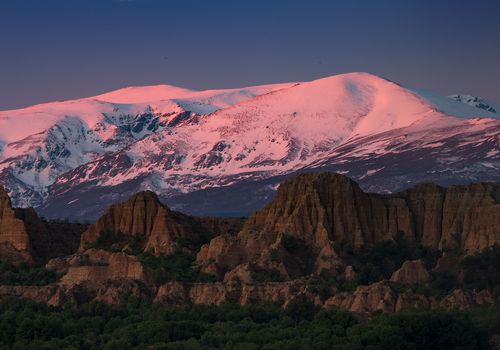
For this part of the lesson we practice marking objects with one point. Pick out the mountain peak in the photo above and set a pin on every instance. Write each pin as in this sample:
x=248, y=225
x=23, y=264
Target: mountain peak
x=146, y=196
x=143, y=94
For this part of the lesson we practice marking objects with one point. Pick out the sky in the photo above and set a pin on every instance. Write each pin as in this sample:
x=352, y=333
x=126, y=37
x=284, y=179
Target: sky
x=64, y=49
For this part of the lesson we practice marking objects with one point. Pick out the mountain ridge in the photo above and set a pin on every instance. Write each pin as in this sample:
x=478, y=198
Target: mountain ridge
x=217, y=138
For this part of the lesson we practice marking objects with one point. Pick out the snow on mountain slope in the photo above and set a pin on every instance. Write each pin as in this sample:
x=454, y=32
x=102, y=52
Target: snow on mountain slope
x=453, y=106
x=477, y=102
x=200, y=102
x=18, y=124
x=446, y=151
x=39, y=143
x=300, y=127
x=143, y=94
x=179, y=142
x=279, y=131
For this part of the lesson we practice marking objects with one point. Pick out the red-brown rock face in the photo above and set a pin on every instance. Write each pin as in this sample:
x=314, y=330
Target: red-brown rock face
x=325, y=207
x=95, y=267
x=15, y=246
x=411, y=273
x=143, y=215
x=24, y=237
x=322, y=208
x=276, y=253
x=220, y=293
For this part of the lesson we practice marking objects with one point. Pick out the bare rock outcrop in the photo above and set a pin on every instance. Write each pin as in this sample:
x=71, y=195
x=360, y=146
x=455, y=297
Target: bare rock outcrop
x=15, y=245
x=95, y=267
x=273, y=254
x=143, y=216
x=114, y=291
x=412, y=301
x=24, y=237
x=220, y=293
x=323, y=207
x=411, y=273
x=241, y=273
x=461, y=300
x=349, y=273
x=366, y=299
x=380, y=297
x=312, y=212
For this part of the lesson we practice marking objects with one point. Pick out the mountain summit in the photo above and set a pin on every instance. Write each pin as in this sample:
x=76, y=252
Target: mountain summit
x=225, y=151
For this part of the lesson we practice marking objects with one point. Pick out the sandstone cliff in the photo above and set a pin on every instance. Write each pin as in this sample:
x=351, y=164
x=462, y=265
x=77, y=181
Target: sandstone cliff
x=144, y=217
x=15, y=245
x=94, y=267
x=24, y=237
x=411, y=273
x=273, y=255
x=381, y=297
x=317, y=210
x=364, y=300
x=323, y=207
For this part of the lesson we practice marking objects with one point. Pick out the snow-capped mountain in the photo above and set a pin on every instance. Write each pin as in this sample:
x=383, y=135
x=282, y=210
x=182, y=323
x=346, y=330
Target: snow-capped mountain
x=40, y=143
x=225, y=151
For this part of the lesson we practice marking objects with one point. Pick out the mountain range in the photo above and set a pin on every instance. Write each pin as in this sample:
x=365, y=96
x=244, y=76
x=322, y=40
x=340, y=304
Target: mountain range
x=224, y=152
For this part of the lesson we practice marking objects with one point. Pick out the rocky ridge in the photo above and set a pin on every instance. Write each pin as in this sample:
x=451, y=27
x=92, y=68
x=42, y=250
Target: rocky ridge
x=278, y=254
x=25, y=237
x=312, y=212
x=211, y=152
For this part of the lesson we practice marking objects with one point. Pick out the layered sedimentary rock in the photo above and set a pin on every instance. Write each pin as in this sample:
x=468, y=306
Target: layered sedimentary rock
x=143, y=216
x=323, y=207
x=320, y=209
x=106, y=255
x=275, y=254
x=15, y=245
x=381, y=297
x=411, y=273
x=365, y=300
x=24, y=237
x=220, y=293
x=94, y=267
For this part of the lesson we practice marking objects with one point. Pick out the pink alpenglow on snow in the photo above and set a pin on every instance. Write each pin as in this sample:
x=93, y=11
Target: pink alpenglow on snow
x=176, y=141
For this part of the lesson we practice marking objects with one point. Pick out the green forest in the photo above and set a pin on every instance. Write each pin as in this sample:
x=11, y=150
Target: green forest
x=140, y=324
x=137, y=324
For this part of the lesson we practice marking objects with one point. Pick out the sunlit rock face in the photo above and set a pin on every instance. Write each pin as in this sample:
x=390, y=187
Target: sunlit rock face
x=15, y=246
x=26, y=238
x=296, y=233
x=276, y=255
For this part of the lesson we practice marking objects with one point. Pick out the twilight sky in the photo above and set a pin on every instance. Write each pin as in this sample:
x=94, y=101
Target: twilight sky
x=62, y=49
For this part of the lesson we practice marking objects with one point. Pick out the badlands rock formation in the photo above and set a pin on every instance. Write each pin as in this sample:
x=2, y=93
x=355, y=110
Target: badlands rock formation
x=24, y=237
x=275, y=255
x=296, y=232
x=160, y=230
x=15, y=243
x=411, y=273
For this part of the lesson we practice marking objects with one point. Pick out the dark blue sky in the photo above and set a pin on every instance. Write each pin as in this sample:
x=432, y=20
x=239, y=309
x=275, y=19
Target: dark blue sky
x=61, y=49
